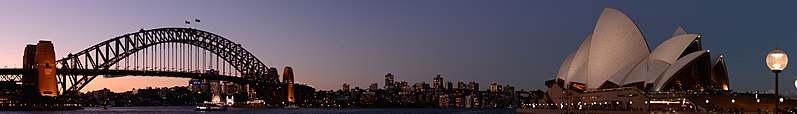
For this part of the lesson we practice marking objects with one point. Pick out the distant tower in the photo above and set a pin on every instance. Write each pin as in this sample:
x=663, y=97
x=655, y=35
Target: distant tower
x=389, y=81
x=438, y=83
x=287, y=77
x=45, y=61
x=30, y=80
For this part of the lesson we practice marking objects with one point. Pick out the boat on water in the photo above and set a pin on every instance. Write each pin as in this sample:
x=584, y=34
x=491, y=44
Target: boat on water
x=216, y=104
x=292, y=106
x=210, y=107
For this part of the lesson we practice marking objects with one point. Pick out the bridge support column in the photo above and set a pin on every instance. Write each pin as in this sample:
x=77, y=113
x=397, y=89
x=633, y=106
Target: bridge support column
x=45, y=61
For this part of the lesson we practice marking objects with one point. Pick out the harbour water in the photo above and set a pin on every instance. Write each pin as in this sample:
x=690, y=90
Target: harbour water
x=190, y=110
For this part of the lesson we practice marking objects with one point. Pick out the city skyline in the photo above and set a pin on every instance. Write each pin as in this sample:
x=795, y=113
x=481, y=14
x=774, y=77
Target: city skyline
x=329, y=43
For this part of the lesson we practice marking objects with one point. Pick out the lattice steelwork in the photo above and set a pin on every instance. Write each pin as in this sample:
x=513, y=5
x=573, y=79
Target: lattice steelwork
x=14, y=75
x=165, y=51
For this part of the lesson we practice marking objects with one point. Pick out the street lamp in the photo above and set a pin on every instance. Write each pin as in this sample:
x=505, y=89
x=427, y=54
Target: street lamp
x=757, y=102
x=777, y=61
x=709, y=106
x=795, y=82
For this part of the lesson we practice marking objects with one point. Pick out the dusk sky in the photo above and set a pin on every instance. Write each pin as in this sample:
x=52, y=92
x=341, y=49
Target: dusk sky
x=331, y=42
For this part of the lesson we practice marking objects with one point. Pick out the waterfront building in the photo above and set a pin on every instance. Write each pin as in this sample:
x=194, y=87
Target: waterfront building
x=421, y=95
x=462, y=85
x=199, y=85
x=615, y=68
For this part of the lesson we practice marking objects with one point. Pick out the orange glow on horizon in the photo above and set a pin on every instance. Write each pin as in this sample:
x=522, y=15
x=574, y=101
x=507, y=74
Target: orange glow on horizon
x=128, y=83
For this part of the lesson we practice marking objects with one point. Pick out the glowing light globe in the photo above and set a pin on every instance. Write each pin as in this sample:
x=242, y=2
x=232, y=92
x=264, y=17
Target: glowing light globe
x=777, y=60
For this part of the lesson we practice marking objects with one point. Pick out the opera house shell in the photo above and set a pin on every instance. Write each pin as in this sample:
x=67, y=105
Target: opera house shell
x=617, y=55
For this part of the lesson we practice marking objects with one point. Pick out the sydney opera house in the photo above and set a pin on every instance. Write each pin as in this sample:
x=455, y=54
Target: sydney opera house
x=615, y=68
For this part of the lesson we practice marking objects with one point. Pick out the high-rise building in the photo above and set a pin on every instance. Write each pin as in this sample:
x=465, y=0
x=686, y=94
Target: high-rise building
x=45, y=61
x=462, y=85
x=449, y=86
x=374, y=87
x=438, y=82
x=508, y=89
x=473, y=86
x=418, y=87
x=495, y=88
x=401, y=83
x=215, y=86
x=345, y=87
x=229, y=88
x=197, y=86
x=287, y=77
x=389, y=81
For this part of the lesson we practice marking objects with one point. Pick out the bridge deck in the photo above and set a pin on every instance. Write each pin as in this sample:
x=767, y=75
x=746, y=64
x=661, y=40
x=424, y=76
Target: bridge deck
x=122, y=73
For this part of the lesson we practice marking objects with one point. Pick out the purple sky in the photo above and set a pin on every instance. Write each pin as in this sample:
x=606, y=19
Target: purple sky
x=520, y=43
x=327, y=42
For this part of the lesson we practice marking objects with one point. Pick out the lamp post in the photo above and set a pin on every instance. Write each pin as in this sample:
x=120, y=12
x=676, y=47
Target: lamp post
x=708, y=106
x=757, y=101
x=777, y=61
x=565, y=100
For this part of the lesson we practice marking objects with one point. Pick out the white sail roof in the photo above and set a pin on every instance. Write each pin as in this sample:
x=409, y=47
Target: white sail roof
x=616, y=42
x=617, y=52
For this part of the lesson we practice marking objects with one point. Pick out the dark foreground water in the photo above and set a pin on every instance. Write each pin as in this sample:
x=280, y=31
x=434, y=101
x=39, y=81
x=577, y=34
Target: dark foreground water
x=190, y=110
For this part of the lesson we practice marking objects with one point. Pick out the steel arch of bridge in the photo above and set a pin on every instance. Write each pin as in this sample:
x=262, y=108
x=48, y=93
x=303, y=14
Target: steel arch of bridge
x=102, y=56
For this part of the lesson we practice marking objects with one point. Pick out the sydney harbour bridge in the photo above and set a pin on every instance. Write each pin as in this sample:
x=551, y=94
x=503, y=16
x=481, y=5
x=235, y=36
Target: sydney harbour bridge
x=163, y=52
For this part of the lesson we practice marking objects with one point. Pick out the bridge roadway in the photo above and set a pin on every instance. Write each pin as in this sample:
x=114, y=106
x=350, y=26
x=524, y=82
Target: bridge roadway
x=5, y=73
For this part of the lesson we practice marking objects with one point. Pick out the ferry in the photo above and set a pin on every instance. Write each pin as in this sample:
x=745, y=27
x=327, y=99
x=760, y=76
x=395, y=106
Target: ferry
x=210, y=107
x=292, y=106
